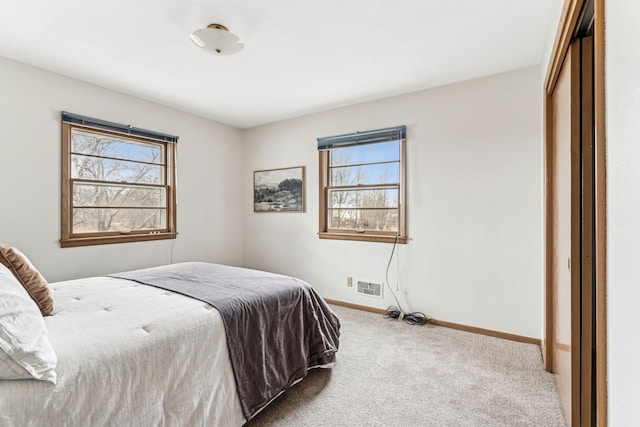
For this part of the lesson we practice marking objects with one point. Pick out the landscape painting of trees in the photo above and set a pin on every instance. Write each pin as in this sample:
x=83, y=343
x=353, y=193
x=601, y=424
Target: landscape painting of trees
x=279, y=190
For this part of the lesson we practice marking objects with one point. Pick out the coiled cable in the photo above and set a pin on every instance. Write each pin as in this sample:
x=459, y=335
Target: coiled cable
x=396, y=312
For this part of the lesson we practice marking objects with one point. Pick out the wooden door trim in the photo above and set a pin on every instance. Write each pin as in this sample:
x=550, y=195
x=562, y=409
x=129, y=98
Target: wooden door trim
x=550, y=208
x=587, y=270
x=600, y=213
x=574, y=55
x=566, y=28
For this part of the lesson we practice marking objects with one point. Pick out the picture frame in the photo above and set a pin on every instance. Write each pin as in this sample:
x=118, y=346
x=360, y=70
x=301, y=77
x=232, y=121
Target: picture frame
x=279, y=190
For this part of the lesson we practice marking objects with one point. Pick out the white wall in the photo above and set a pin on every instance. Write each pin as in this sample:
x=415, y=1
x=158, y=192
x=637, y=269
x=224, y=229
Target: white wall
x=209, y=181
x=474, y=194
x=474, y=204
x=622, y=74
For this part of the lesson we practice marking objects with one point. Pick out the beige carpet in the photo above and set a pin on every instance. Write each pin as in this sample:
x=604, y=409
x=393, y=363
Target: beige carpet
x=389, y=373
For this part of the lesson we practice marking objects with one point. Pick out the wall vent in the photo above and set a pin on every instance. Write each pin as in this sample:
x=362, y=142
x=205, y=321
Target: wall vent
x=370, y=289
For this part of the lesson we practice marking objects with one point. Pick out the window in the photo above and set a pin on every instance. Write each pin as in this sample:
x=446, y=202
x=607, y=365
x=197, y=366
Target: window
x=118, y=183
x=362, y=178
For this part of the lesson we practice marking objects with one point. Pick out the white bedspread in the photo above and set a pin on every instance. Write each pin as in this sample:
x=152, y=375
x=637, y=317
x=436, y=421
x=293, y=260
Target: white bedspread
x=128, y=355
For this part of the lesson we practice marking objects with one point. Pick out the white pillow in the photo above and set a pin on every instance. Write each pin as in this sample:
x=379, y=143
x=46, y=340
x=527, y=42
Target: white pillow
x=25, y=350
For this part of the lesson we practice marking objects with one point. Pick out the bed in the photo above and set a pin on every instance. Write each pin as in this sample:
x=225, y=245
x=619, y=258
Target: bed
x=137, y=353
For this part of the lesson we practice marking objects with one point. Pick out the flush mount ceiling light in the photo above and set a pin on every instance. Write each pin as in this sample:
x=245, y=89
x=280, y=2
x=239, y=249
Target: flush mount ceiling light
x=217, y=39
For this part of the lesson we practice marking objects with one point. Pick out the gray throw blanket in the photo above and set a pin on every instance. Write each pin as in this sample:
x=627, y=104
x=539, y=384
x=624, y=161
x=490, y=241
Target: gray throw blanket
x=277, y=327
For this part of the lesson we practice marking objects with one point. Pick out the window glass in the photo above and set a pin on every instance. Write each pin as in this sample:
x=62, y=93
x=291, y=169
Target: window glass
x=96, y=168
x=101, y=219
x=355, y=198
x=364, y=219
x=363, y=192
x=117, y=148
x=117, y=188
x=366, y=153
x=379, y=173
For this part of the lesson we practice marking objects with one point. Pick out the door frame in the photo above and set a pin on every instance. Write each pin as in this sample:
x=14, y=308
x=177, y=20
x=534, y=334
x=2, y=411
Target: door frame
x=572, y=17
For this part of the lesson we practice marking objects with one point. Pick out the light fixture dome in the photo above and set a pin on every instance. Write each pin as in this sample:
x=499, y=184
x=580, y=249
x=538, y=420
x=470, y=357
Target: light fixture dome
x=217, y=39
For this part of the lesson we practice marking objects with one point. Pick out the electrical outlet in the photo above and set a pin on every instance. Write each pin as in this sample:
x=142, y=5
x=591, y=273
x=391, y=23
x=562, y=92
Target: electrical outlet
x=349, y=281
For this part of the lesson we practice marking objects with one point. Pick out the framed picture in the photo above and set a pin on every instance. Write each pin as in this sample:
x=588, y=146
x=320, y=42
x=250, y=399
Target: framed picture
x=279, y=190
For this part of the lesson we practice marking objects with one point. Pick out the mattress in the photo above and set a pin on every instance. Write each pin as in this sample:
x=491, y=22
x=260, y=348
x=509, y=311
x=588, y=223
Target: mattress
x=277, y=327
x=115, y=367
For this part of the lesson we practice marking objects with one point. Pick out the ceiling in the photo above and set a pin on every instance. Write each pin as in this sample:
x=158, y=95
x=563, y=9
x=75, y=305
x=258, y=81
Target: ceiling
x=300, y=57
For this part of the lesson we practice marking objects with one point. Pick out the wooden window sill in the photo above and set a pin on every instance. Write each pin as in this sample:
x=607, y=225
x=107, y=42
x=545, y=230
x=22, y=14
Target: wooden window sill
x=364, y=237
x=105, y=240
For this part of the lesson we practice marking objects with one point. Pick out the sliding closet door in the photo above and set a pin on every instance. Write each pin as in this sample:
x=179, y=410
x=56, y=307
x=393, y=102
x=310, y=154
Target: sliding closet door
x=563, y=166
x=570, y=233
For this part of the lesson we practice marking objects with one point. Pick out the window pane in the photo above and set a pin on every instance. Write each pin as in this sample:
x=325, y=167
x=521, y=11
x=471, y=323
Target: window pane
x=95, y=168
x=364, y=219
x=87, y=220
x=117, y=195
x=376, y=198
x=385, y=173
x=119, y=148
x=368, y=153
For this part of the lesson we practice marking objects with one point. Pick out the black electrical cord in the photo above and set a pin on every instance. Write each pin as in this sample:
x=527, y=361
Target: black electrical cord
x=414, y=318
x=395, y=312
x=392, y=312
